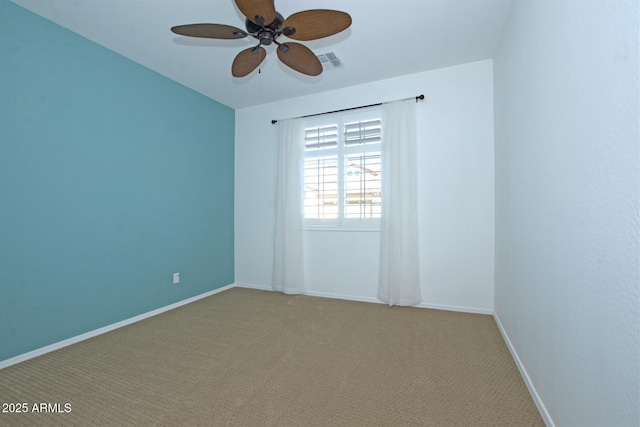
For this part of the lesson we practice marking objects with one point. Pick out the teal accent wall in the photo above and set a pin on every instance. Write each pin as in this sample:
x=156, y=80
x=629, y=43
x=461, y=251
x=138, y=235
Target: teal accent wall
x=112, y=177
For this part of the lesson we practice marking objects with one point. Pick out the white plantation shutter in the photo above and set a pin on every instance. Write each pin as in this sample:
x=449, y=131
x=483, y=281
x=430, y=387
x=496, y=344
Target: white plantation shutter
x=321, y=137
x=321, y=187
x=321, y=172
x=362, y=169
x=365, y=132
x=362, y=185
x=342, y=169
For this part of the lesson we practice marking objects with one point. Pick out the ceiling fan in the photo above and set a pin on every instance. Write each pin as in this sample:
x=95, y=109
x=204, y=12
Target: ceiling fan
x=266, y=25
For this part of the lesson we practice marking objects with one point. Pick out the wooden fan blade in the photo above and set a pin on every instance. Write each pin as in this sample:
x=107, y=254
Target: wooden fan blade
x=209, y=31
x=258, y=10
x=247, y=61
x=316, y=24
x=300, y=58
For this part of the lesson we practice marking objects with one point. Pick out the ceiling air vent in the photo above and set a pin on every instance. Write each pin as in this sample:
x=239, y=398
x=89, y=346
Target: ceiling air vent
x=330, y=61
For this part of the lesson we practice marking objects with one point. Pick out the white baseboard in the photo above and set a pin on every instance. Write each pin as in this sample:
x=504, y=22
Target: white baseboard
x=375, y=300
x=312, y=293
x=421, y=305
x=259, y=287
x=461, y=309
x=546, y=417
x=61, y=344
x=342, y=296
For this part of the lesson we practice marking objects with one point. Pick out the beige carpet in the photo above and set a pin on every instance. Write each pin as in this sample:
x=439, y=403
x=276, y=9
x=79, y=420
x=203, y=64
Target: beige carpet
x=255, y=358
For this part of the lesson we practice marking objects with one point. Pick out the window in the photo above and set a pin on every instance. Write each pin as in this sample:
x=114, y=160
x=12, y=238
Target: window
x=342, y=172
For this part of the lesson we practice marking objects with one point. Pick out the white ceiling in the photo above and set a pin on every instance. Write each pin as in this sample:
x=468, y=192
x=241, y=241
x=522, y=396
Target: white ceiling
x=388, y=38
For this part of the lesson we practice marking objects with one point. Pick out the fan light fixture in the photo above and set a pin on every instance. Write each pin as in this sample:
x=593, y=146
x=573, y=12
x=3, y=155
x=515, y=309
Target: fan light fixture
x=267, y=26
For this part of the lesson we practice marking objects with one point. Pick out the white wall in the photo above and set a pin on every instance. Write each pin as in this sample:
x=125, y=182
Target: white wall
x=567, y=257
x=455, y=138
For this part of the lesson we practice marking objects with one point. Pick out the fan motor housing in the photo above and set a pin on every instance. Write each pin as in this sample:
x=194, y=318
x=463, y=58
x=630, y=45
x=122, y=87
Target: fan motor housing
x=268, y=33
x=252, y=27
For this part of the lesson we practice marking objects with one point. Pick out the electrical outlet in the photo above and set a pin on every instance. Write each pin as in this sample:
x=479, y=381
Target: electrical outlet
x=176, y=278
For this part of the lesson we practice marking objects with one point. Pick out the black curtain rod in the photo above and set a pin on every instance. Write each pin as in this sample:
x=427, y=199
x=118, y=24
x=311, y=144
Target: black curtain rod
x=418, y=98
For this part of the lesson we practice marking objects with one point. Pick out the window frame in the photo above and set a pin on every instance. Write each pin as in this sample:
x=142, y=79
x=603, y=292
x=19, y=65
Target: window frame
x=341, y=151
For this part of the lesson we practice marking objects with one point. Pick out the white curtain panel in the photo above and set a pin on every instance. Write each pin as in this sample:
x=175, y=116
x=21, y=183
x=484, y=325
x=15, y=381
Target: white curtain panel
x=399, y=275
x=288, y=266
